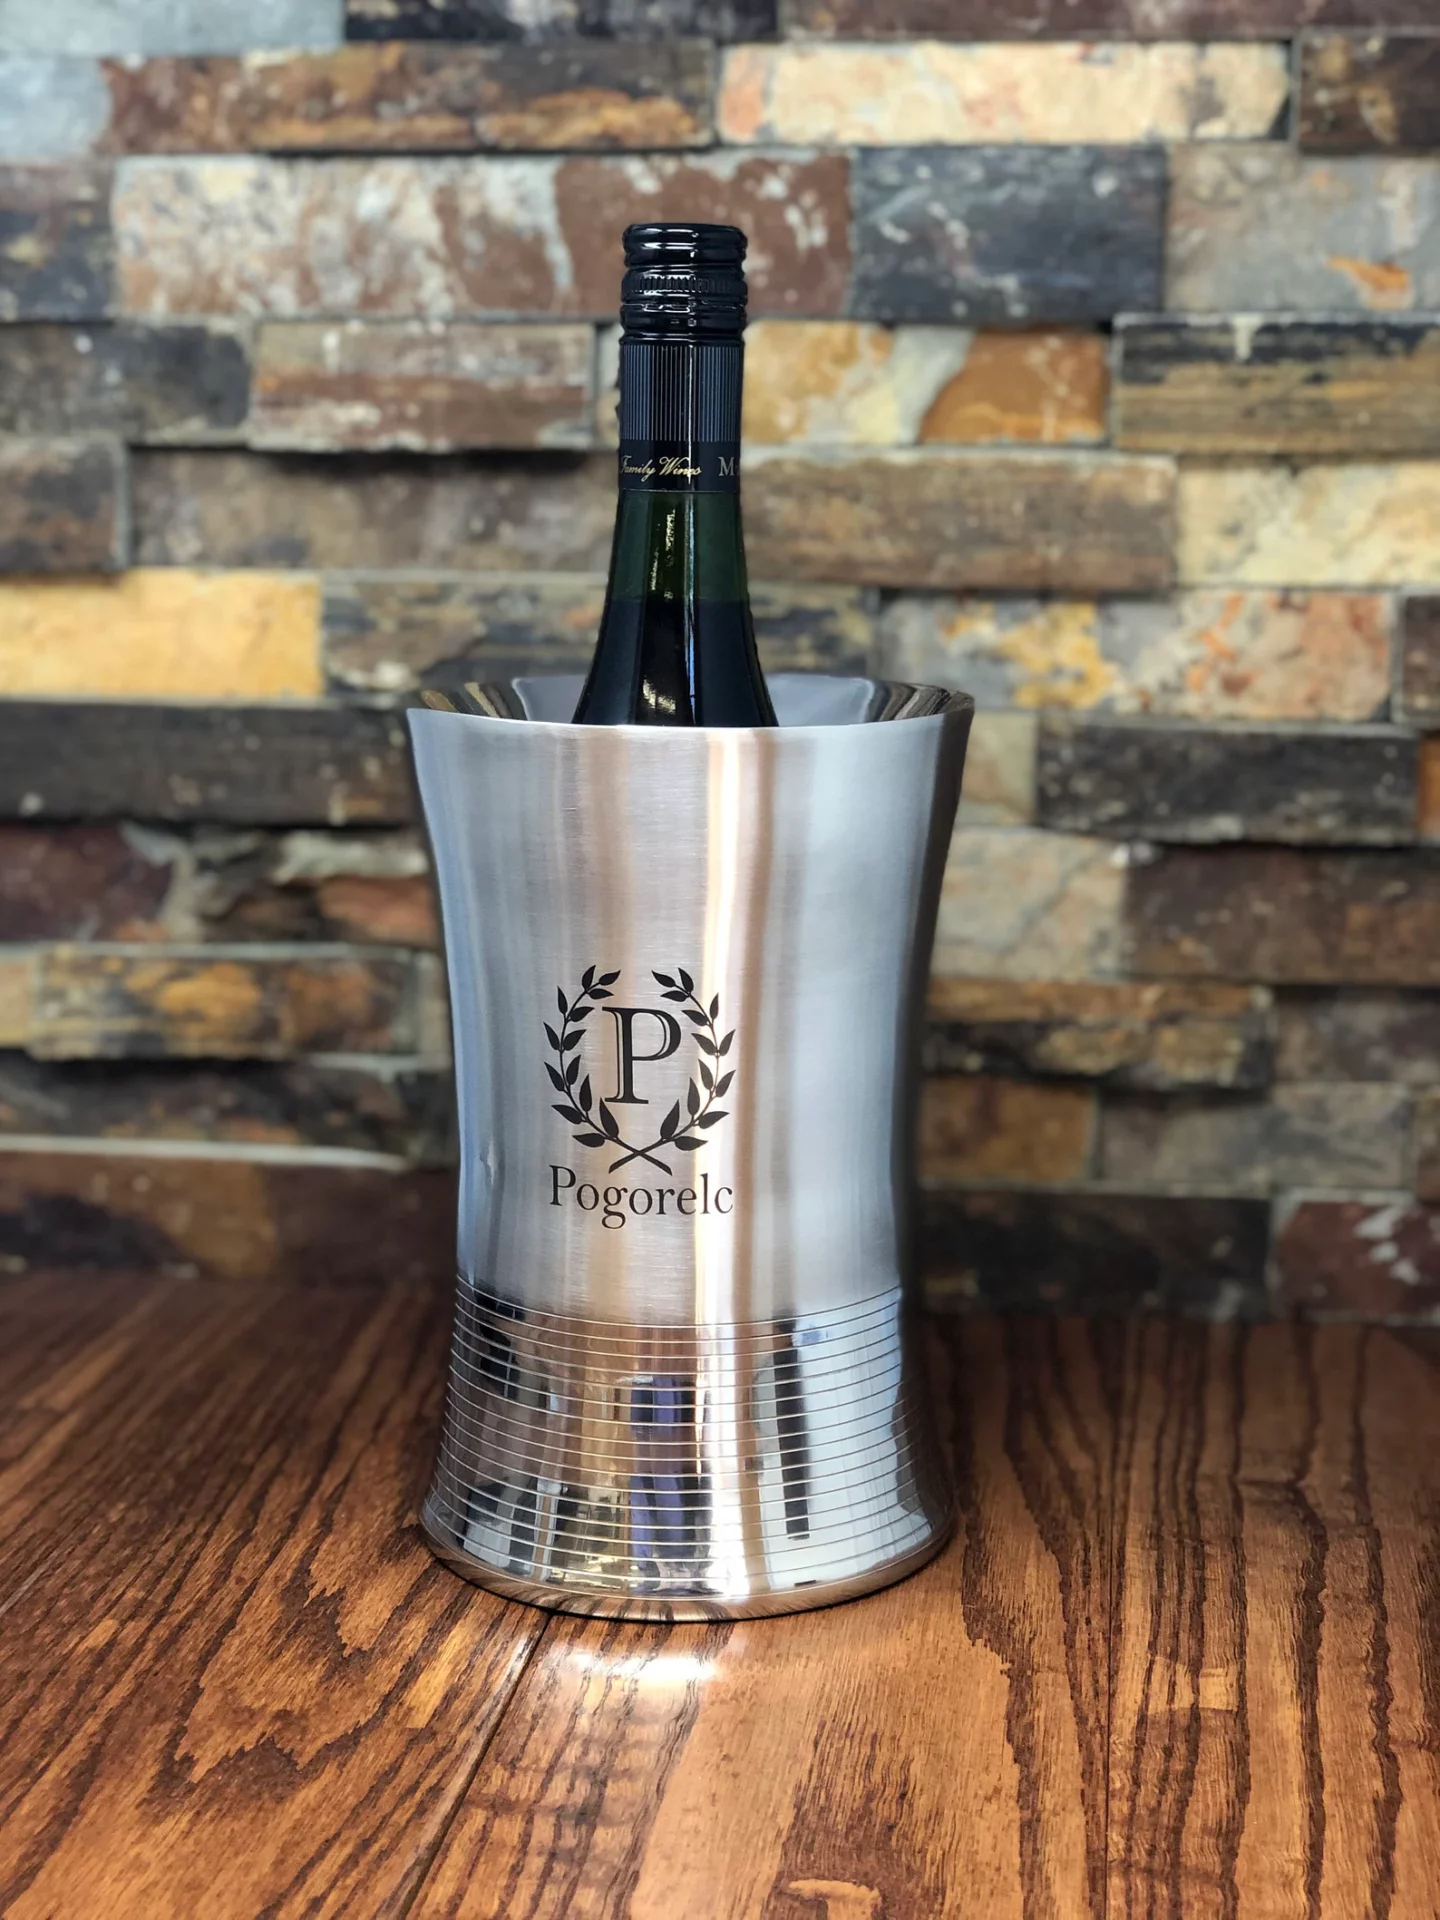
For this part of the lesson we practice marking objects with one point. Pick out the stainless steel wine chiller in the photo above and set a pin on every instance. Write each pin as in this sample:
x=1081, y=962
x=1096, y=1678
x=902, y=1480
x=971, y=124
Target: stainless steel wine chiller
x=687, y=972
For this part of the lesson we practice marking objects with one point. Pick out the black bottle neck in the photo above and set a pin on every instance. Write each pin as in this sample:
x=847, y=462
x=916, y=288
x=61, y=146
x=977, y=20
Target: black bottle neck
x=680, y=415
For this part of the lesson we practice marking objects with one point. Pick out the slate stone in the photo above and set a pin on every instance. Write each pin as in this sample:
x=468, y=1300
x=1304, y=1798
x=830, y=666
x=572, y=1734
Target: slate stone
x=1067, y=19
x=1216, y=654
x=389, y=634
x=1094, y=1252
x=1427, y=1144
x=1006, y=233
x=975, y=1127
x=1311, y=387
x=165, y=26
x=928, y=92
x=51, y=107
x=1304, y=1135
x=57, y=253
x=225, y=1217
x=423, y=237
x=1141, y=780
x=79, y=882
x=63, y=506
x=176, y=384
x=1353, y=1034
x=1340, y=523
x=1420, y=659
x=1292, y=918
x=1428, y=822
x=149, y=1004
x=544, y=20
x=1369, y=93
x=1255, y=228
x=305, y=885
x=1140, y=1036
x=848, y=383
x=930, y=518
x=1376, y=1255
x=412, y=385
x=303, y=1103
x=247, y=510
x=278, y=765
x=412, y=99
x=162, y=633
x=1018, y=904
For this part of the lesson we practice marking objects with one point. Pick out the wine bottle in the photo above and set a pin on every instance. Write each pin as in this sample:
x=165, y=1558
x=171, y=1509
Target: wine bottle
x=677, y=642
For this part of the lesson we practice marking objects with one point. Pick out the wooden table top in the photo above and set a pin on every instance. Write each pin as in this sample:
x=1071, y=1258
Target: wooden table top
x=1183, y=1657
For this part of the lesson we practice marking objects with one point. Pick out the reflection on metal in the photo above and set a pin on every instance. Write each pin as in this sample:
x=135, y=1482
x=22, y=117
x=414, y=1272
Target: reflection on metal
x=686, y=971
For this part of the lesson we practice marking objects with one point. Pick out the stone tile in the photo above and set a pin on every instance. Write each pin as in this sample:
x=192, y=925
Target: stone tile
x=999, y=789
x=63, y=506
x=1023, y=905
x=175, y=384
x=1351, y=525
x=278, y=765
x=52, y=107
x=246, y=510
x=1358, y=1035
x=1277, y=914
x=1061, y=19
x=537, y=21
x=976, y=1128
x=927, y=518
x=1094, y=1252
x=1256, y=228
x=1154, y=781
x=1304, y=1135
x=1371, y=93
x=994, y=233
x=444, y=238
x=389, y=634
x=413, y=99
x=17, y=984
x=227, y=1217
x=846, y=383
x=1420, y=659
x=1066, y=93
x=1427, y=1145
x=99, y=1004
x=162, y=633
x=1211, y=654
x=1309, y=387
x=421, y=386
x=307, y=885
x=166, y=26
x=83, y=882
x=1429, y=801
x=1143, y=1036
x=371, y=1109
x=56, y=248
x=1377, y=1255
x=1046, y=385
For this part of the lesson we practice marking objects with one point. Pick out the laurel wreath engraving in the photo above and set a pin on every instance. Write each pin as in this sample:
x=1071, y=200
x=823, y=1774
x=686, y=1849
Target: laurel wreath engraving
x=595, y=1124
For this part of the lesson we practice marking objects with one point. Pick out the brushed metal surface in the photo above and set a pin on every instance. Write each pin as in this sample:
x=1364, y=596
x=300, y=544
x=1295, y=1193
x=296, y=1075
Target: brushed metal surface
x=686, y=971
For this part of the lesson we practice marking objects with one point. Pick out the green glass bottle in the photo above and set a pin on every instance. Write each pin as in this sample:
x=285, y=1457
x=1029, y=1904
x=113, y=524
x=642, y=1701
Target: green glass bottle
x=677, y=641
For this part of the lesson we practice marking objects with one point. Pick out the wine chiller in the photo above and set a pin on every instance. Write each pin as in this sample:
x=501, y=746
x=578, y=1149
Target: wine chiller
x=687, y=971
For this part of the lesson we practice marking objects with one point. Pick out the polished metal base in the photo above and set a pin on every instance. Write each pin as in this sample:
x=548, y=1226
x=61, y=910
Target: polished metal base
x=685, y=1472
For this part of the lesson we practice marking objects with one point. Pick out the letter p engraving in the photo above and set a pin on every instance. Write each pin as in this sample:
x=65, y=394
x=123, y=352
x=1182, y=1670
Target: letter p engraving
x=626, y=1056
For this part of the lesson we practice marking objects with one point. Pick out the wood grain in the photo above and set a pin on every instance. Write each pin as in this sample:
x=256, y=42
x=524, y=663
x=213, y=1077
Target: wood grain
x=1180, y=1661
x=237, y=1682
x=1275, y=1720
x=937, y=1749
